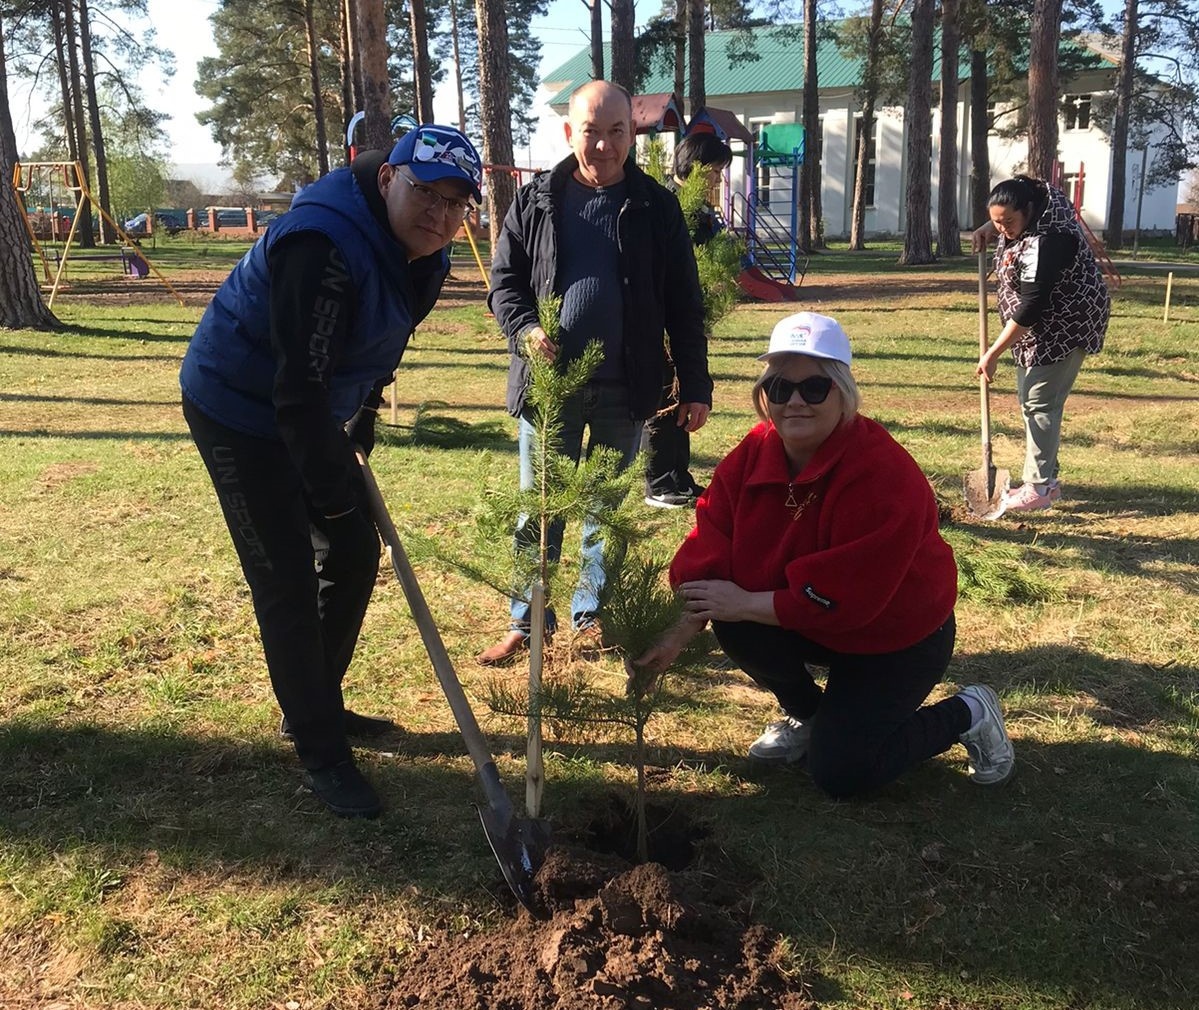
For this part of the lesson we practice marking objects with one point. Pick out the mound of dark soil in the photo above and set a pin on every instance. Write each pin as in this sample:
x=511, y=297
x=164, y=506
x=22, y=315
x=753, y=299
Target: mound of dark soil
x=614, y=939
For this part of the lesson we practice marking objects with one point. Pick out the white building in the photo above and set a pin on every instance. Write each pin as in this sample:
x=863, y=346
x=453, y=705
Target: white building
x=768, y=91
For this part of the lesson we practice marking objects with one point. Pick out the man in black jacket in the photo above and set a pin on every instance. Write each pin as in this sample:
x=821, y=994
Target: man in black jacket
x=610, y=241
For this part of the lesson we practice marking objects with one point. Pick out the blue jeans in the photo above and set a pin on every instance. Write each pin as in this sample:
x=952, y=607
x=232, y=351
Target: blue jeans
x=603, y=409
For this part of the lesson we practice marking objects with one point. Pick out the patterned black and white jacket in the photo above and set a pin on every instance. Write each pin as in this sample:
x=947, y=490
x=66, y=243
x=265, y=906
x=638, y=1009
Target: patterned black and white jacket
x=1048, y=279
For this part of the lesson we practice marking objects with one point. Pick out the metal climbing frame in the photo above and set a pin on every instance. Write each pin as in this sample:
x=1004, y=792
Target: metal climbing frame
x=71, y=173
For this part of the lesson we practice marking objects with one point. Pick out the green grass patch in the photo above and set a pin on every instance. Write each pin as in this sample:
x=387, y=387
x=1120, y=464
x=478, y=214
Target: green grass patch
x=155, y=847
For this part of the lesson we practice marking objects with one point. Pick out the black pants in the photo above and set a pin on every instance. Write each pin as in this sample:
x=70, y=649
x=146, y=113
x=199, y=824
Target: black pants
x=308, y=628
x=868, y=724
x=667, y=446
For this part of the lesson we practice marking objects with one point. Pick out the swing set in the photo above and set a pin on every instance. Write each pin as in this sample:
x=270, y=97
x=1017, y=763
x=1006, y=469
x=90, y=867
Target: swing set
x=43, y=175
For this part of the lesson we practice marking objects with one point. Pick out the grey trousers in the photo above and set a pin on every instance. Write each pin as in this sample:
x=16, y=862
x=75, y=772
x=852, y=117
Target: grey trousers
x=1042, y=392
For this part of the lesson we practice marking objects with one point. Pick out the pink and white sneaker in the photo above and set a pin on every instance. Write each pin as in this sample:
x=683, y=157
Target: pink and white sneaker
x=1032, y=497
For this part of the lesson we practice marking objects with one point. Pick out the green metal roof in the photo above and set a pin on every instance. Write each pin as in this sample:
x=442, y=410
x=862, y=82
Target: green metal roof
x=778, y=67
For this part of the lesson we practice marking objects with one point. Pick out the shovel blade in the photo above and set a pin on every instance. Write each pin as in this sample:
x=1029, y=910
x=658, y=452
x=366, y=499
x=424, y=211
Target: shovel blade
x=519, y=845
x=985, y=490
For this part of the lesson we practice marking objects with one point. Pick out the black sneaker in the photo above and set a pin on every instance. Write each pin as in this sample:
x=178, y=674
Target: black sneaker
x=669, y=500
x=344, y=790
x=368, y=726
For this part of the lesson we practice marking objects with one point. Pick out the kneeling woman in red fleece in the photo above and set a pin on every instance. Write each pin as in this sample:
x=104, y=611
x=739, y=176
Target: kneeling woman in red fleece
x=817, y=543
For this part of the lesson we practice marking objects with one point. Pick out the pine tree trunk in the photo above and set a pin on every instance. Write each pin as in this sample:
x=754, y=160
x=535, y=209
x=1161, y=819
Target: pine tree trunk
x=857, y=229
x=697, y=96
x=811, y=223
x=949, y=238
x=422, y=74
x=64, y=84
x=9, y=155
x=457, y=66
x=980, y=155
x=85, y=37
x=917, y=239
x=680, y=53
x=371, y=36
x=597, y=39
x=1114, y=236
x=86, y=236
x=318, y=98
x=495, y=109
x=623, y=67
x=1043, y=88
x=21, y=304
x=351, y=89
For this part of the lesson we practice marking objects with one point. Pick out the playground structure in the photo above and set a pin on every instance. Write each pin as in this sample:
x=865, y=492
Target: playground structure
x=134, y=261
x=1110, y=274
x=773, y=265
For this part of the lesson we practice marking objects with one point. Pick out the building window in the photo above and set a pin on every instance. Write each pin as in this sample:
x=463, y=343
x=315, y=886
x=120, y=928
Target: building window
x=871, y=154
x=990, y=117
x=1077, y=109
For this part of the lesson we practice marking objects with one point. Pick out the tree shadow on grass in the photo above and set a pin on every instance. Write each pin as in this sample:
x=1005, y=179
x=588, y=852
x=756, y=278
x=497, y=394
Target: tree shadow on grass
x=1050, y=885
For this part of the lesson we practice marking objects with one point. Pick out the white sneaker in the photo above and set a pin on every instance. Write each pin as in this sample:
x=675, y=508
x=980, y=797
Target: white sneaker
x=1031, y=497
x=785, y=740
x=992, y=756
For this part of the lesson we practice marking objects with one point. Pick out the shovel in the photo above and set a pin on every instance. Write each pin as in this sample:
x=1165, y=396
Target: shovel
x=519, y=843
x=985, y=487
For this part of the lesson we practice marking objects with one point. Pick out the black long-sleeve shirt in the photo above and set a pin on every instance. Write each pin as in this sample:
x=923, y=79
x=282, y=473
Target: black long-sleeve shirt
x=1042, y=263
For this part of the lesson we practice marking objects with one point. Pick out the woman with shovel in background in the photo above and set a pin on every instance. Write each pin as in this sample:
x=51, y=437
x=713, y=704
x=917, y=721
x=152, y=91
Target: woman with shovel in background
x=817, y=542
x=1054, y=306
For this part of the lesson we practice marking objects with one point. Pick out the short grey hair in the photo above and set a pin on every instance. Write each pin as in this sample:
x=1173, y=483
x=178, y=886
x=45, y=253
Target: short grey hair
x=838, y=371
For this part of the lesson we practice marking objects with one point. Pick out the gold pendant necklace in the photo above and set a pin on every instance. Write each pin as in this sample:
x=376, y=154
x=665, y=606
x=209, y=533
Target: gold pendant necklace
x=799, y=507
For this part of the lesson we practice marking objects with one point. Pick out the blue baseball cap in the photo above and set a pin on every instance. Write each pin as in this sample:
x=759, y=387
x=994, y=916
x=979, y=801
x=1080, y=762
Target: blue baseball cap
x=434, y=152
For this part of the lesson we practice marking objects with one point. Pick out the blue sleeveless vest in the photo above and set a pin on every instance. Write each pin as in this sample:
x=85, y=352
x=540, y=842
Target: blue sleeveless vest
x=229, y=368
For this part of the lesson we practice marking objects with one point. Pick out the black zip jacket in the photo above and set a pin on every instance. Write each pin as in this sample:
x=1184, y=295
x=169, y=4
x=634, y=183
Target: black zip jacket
x=661, y=293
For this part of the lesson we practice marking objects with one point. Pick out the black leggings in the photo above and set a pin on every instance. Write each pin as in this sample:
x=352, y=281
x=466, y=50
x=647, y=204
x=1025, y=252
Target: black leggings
x=308, y=629
x=868, y=726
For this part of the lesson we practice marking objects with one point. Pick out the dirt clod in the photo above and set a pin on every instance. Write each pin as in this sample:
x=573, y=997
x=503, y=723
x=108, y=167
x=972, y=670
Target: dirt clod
x=615, y=939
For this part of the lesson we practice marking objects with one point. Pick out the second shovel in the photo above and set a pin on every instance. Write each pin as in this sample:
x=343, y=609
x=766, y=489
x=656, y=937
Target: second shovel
x=985, y=488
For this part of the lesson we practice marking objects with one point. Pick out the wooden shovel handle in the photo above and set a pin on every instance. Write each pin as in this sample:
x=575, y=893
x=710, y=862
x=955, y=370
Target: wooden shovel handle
x=984, y=387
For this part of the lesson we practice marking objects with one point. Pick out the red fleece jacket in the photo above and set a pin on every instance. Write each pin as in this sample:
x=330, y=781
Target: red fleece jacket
x=860, y=568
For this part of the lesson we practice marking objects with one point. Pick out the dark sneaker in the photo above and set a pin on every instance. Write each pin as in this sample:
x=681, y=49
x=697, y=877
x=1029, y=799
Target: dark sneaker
x=670, y=500
x=344, y=790
x=992, y=756
x=366, y=726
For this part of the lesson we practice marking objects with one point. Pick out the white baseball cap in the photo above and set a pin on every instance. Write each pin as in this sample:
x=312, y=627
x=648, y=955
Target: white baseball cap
x=809, y=333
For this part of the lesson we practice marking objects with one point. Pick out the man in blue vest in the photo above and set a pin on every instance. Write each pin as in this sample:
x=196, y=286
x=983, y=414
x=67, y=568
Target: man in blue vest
x=282, y=378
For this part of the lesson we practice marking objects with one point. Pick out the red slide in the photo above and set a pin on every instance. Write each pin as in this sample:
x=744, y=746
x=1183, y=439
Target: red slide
x=757, y=285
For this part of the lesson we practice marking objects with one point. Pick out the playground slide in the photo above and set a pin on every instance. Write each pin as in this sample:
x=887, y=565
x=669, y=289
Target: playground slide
x=757, y=285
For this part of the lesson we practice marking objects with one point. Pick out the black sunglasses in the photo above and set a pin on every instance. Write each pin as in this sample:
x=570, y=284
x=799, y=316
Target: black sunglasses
x=814, y=389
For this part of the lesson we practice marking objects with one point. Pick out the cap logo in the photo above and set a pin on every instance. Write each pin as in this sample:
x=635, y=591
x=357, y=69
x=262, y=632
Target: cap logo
x=429, y=147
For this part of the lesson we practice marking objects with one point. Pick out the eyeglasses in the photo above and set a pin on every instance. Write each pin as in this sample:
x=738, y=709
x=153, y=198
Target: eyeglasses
x=813, y=390
x=430, y=199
